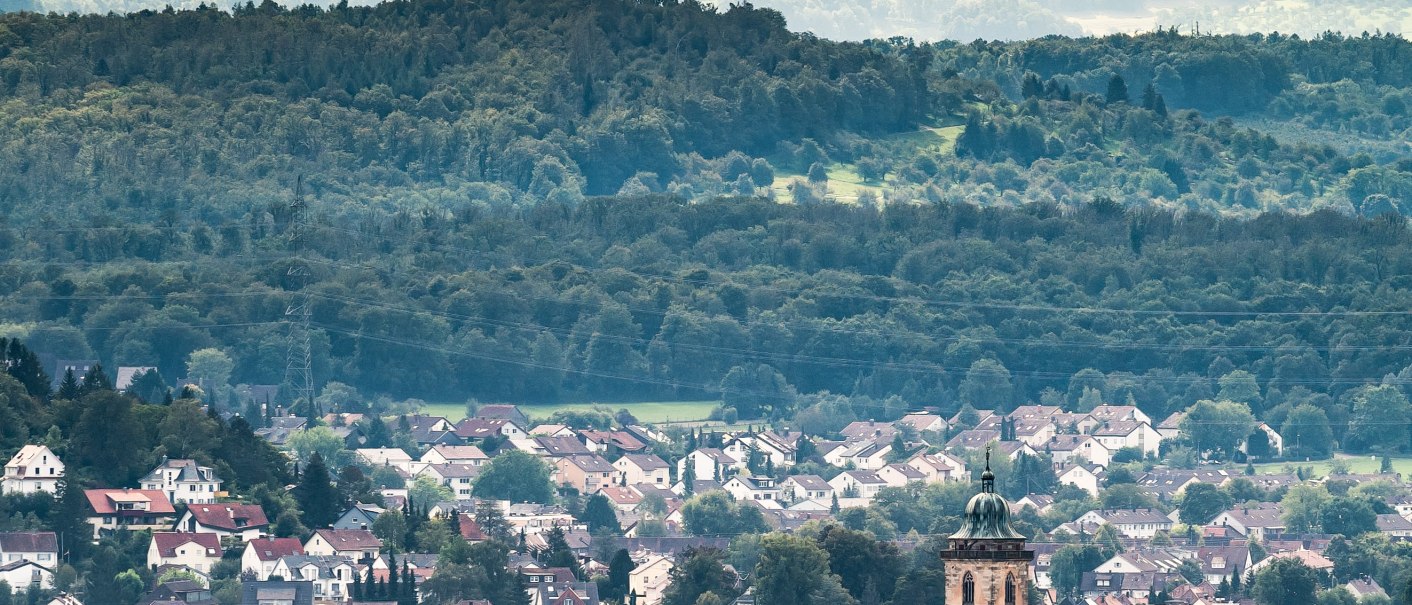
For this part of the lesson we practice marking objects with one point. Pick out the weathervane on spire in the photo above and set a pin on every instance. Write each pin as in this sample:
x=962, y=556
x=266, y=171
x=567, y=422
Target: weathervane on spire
x=987, y=478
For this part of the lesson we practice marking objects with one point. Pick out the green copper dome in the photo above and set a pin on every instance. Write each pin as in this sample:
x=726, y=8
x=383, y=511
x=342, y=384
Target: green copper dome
x=987, y=514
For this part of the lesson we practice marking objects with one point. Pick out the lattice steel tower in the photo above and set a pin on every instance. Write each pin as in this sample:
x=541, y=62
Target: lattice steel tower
x=298, y=369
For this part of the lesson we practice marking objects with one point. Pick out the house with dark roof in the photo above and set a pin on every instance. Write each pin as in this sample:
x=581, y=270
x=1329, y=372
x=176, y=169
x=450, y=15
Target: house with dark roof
x=857, y=484
x=1394, y=525
x=898, y=474
x=558, y=447
x=20, y=574
x=185, y=592
x=643, y=468
x=1254, y=522
x=200, y=552
x=498, y=411
x=261, y=555
x=184, y=481
x=361, y=516
x=612, y=443
x=1218, y=562
x=708, y=463
x=331, y=575
x=474, y=430
x=242, y=521
x=1365, y=586
x=282, y=592
x=586, y=473
x=799, y=488
x=42, y=547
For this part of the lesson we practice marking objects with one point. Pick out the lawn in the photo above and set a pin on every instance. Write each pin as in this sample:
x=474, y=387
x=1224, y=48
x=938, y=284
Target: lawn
x=654, y=412
x=1356, y=464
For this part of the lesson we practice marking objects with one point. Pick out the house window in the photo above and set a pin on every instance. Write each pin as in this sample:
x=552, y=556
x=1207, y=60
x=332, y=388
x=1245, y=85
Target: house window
x=968, y=590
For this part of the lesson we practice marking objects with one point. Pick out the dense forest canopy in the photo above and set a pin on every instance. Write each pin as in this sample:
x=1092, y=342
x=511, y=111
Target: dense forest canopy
x=536, y=201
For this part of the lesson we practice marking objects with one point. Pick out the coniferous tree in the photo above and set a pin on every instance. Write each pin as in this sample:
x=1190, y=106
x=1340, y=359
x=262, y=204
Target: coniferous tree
x=408, y=595
x=316, y=494
x=1117, y=90
x=69, y=387
x=393, y=581
x=95, y=380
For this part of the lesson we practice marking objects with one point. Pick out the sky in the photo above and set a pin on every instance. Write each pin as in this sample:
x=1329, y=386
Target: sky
x=968, y=20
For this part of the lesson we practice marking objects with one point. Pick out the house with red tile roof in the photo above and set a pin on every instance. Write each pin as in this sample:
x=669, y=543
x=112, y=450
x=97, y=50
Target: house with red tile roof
x=111, y=509
x=243, y=521
x=261, y=555
x=200, y=552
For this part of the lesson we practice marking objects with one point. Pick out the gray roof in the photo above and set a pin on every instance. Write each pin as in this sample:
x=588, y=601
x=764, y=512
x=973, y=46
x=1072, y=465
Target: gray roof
x=324, y=563
x=301, y=593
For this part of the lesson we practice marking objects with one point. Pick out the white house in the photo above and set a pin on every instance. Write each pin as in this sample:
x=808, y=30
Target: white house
x=801, y=488
x=1277, y=442
x=924, y=422
x=940, y=467
x=1079, y=475
x=636, y=469
x=866, y=455
x=898, y=475
x=455, y=454
x=42, y=547
x=709, y=464
x=200, y=552
x=650, y=579
x=1118, y=434
x=459, y=477
x=1078, y=448
x=1142, y=523
x=22, y=573
x=356, y=544
x=33, y=469
x=1253, y=522
x=184, y=482
x=742, y=487
x=857, y=484
x=331, y=575
x=385, y=456
x=262, y=554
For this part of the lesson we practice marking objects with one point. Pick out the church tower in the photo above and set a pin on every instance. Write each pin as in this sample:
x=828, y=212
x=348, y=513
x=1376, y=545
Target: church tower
x=986, y=562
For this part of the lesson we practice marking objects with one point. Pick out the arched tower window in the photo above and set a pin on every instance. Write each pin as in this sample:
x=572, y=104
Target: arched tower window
x=1011, y=588
x=968, y=590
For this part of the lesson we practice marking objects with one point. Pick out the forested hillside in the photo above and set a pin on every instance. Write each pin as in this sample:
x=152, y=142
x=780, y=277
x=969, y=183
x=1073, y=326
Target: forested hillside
x=537, y=201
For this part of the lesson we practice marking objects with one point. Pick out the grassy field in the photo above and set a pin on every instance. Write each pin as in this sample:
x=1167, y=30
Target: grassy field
x=1356, y=464
x=654, y=412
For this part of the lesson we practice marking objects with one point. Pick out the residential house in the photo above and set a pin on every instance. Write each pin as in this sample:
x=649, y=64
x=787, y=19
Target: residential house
x=281, y=428
x=1219, y=562
x=1169, y=484
x=1117, y=413
x=1143, y=523
x=857, y=484
x=385, y=456
x=1309, y=558
x=1365, y=586
x=1276, y=441
x=553, y=430
x=42, y=547
x=1118, y=434
x=803, y=488
x=708, y=464
x=612, y=443
x=624, y=499
x=643, y=468
x=33, y=469
x=898, y=475
x=747, y=487
x=1087, y=449
x=331, y=575
x=80, y=368
x=479, y=429
x=185, y=592
x=1039, y=502
x=530, y=518
x=1254, y=522
x=455, y=454
x=868, y=431
x=240, y=521
x=586, y=473
x=184, y=482
x=282, y=592
x=556, y=447
x=1171, y=427
x=940, y=467
x=502, y=412
x=1144, y=560
x=111, y=509
x=459, y=477
x=23, y=573
x=1394, y=525
x=1113, y=588
x=780, y=448
x=925, y=422
x=262, y=554
x=866, y=455
x=421, y=564
x=972, y=439
x=200, y=552
x=361, y=516
x=356, y=544
x=650, y=579
x=1082, y=476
